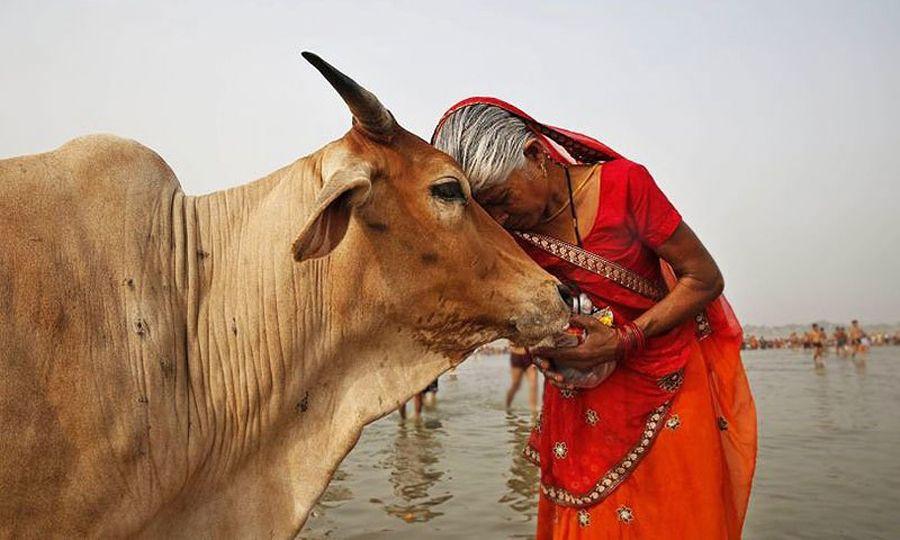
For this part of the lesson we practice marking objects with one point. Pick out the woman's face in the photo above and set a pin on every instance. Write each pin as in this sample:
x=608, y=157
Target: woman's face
x=520, y=202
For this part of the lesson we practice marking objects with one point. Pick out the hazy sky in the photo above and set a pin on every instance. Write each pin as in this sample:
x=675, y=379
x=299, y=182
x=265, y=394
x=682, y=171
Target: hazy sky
x=773, y=126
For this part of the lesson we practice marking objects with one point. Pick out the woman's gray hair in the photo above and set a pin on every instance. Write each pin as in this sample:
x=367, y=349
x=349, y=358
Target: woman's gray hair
x=486, y=141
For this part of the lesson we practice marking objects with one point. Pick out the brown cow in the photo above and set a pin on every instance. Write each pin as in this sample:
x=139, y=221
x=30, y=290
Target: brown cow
x=198, y=366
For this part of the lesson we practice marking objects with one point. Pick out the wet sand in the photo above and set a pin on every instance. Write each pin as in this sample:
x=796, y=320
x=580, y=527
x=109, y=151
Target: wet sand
x=829, y=457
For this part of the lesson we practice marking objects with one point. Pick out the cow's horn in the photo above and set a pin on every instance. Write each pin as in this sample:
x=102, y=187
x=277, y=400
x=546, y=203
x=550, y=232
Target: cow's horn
x=369, y=113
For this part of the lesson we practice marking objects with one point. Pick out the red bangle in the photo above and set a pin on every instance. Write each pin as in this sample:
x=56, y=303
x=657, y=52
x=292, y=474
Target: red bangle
x=631, y=340
x=640, y=337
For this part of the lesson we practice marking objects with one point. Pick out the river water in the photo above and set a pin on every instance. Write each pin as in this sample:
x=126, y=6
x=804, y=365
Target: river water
x=829, y=457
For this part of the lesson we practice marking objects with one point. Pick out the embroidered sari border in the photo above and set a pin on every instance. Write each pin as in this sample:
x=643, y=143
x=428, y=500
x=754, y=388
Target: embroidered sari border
x=596, y=264
x=615, y=475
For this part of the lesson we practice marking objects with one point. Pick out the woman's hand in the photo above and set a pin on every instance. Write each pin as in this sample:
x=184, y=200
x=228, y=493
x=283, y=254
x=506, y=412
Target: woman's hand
x=546, y=368
x=599, y=347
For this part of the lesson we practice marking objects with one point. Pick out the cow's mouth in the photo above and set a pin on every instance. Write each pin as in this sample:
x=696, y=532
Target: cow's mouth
x=539, y=325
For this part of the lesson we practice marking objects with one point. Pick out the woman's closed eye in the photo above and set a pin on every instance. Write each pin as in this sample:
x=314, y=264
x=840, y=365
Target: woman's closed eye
x=449, y=190
x=497, y=199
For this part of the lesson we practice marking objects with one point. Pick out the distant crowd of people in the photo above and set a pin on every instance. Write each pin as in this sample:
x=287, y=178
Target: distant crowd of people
x=846, y=341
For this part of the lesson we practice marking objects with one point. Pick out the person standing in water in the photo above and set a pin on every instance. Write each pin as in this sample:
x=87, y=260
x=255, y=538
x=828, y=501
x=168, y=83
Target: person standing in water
x=857, y=337
x=520, y=366
x=427, y=396
x=817, y=342
x=840, y=341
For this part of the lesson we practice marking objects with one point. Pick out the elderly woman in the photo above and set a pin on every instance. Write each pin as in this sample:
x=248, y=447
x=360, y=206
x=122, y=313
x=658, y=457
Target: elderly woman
x=665, y=445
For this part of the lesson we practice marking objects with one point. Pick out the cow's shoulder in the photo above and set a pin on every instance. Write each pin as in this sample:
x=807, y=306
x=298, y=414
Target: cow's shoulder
x=95, y=198
x=113, y=162
x=103, y=166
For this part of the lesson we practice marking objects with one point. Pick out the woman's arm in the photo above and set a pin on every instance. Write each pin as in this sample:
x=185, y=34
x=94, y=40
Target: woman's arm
x=699, y=283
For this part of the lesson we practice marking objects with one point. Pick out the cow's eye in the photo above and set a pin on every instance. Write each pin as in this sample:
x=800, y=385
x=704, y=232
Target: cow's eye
x=449, y=190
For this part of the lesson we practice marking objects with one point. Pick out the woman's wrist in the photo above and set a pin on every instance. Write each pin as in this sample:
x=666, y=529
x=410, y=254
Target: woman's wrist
x=632, y=340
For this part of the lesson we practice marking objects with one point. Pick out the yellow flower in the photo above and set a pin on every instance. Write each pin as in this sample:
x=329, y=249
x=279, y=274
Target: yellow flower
x=605, y=316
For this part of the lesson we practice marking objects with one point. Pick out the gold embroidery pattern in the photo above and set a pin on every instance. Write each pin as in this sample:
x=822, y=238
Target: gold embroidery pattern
x=625, y=514
x=532, y=455
x=614, y=476
x=591, y=417
x=673, y=422
x=568, y=393
x=584, y=518
x=671, y=382
x=596, y=264
x=560, y=450
x=704, y=329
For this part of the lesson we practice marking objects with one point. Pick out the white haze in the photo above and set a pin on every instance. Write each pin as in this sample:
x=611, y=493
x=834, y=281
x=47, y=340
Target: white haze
x=773, y=126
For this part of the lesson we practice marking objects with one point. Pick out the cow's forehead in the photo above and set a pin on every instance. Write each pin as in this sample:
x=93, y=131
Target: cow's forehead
x=437, y=163
x=408, y=154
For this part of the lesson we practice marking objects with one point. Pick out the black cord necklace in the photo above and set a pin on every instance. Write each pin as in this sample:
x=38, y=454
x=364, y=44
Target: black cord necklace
x=572, y=207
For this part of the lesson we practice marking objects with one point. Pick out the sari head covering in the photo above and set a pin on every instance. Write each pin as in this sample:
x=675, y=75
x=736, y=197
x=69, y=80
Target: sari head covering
x=565, y=147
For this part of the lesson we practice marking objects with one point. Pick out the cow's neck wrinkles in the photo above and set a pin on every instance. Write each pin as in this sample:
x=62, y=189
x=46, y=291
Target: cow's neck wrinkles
x=283, y=368
x=258, y=326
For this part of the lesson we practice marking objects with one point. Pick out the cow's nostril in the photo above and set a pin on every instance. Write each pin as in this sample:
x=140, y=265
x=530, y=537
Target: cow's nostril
x=566, y=293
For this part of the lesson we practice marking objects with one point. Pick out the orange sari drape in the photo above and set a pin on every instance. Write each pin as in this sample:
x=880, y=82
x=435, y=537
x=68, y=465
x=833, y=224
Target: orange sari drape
x=695, y=482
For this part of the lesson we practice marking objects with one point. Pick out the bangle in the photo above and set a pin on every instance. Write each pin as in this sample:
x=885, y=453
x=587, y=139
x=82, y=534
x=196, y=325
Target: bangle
x=640, y=337
x=631, y=340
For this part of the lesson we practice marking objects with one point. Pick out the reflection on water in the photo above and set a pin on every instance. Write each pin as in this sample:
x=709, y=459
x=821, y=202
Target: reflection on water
x=523, y=476
x=457, y=472
x=339, y=491
x=827, y=468
x=414, y=471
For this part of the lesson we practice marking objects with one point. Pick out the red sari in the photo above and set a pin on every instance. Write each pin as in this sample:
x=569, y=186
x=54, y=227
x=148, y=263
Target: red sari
x=666, y=446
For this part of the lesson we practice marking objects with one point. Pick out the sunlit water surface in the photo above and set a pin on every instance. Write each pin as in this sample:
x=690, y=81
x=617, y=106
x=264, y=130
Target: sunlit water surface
x=829, y=457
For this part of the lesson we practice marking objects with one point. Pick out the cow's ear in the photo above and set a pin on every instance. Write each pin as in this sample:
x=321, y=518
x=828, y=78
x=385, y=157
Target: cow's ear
x=328, y=222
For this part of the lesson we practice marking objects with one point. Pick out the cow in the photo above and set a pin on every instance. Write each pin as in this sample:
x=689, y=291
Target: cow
x=198, y=366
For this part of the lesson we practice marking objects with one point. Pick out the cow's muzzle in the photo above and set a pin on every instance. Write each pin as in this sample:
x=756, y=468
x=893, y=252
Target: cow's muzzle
x=547, y=316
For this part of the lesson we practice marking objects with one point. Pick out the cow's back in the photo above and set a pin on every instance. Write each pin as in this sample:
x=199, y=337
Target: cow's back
x=91, y=331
